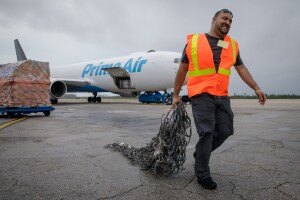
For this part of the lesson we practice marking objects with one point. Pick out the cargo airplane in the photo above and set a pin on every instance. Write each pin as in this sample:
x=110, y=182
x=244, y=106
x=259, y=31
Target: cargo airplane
x=127, y=76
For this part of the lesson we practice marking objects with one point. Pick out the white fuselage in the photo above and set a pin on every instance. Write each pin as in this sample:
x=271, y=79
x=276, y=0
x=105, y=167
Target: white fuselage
x=147, y=71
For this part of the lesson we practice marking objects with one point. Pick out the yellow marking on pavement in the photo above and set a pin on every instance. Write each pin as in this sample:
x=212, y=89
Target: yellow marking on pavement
x=11, y=122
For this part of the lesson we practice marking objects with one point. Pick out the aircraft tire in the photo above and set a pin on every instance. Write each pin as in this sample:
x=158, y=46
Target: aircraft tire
x=98, y=99
x=10, y=115
x=89, y=99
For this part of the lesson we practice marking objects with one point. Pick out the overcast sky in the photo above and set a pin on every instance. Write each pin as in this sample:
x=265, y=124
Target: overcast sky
x=70, y=31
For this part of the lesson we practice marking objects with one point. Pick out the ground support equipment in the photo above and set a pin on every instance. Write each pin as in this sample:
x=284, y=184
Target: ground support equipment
x=11, y=111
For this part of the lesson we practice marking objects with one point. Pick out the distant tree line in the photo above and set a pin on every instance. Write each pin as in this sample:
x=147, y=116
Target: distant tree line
x=269, y=96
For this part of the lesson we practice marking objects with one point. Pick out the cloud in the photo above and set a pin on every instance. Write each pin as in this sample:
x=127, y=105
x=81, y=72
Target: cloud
x=70, y=31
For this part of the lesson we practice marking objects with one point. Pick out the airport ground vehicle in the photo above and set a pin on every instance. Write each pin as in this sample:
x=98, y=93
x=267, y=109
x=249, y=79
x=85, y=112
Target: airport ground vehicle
x=11, y=111
x=154, y=97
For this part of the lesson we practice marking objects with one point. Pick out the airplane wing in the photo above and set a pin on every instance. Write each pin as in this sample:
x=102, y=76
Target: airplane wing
x=121, y=77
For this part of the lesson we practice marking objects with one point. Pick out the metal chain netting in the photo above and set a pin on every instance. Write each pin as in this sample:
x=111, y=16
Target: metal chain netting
x=165, y=154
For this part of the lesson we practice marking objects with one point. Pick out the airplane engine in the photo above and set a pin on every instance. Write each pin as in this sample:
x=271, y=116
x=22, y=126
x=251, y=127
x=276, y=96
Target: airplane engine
x=58, y=89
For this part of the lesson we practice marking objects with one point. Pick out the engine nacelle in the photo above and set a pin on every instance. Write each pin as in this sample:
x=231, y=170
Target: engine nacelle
x=58, y=89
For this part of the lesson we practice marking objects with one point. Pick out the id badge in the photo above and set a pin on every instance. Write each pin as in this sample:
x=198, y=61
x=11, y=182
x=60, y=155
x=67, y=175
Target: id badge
x=223, y=44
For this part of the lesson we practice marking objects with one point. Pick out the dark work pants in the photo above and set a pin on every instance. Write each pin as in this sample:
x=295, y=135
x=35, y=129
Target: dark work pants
x=213, y=118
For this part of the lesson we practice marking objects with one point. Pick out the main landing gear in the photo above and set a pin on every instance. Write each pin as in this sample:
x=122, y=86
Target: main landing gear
x=94, y=98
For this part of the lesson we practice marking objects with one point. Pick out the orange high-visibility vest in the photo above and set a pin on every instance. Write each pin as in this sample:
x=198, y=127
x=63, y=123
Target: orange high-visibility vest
x=202, y=75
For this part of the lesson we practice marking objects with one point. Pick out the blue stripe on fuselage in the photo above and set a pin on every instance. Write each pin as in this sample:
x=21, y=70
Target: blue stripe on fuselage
x=87, y=88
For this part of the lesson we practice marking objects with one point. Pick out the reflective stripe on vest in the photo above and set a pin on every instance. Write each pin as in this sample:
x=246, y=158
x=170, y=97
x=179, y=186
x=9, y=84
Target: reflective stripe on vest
x=233, y=50
x=194, y=51
x=203, y=72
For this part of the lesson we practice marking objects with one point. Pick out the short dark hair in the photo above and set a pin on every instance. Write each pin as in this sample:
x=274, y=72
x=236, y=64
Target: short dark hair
x=224, y=10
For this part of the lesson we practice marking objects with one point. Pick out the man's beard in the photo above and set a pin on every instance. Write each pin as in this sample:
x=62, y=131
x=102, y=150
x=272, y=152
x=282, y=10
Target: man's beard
x=224, y=32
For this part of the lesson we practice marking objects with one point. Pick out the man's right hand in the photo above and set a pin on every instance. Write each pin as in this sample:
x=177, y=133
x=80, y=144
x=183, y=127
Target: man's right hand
x=179, y=80
x=176, y=100
x=261, y=96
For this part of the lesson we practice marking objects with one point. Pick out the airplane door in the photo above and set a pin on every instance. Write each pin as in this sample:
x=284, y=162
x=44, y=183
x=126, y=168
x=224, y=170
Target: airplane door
x=121, y=77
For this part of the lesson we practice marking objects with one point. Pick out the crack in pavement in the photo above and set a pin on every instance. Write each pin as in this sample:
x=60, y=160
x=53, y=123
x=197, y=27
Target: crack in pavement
x=259, y=166
x=277, y=187
x=192, y=180
x=234, y=193
x=235, y=173
x=15, y=183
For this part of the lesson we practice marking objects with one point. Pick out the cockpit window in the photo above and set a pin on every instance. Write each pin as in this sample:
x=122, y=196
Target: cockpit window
x=177, y=60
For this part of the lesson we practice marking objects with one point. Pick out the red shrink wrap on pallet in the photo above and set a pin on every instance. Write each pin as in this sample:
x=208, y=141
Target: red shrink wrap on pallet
x=25, y=83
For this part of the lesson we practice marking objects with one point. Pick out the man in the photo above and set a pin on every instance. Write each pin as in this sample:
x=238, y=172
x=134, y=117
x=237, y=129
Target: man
x=207, y=59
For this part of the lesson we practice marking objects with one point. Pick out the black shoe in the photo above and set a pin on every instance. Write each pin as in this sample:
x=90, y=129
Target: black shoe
x=208, y=183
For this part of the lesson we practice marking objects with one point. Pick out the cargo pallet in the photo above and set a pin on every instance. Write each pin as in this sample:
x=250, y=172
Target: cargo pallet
x=11, y=111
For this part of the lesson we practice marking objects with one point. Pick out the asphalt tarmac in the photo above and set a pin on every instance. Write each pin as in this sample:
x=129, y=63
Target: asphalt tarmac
x=63, y=156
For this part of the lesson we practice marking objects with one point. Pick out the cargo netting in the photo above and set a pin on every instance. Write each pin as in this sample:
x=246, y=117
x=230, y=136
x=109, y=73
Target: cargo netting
x=25, y=83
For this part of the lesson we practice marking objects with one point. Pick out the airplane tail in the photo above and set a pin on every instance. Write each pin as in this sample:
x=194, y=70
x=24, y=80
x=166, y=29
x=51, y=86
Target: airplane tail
x=19, y=51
